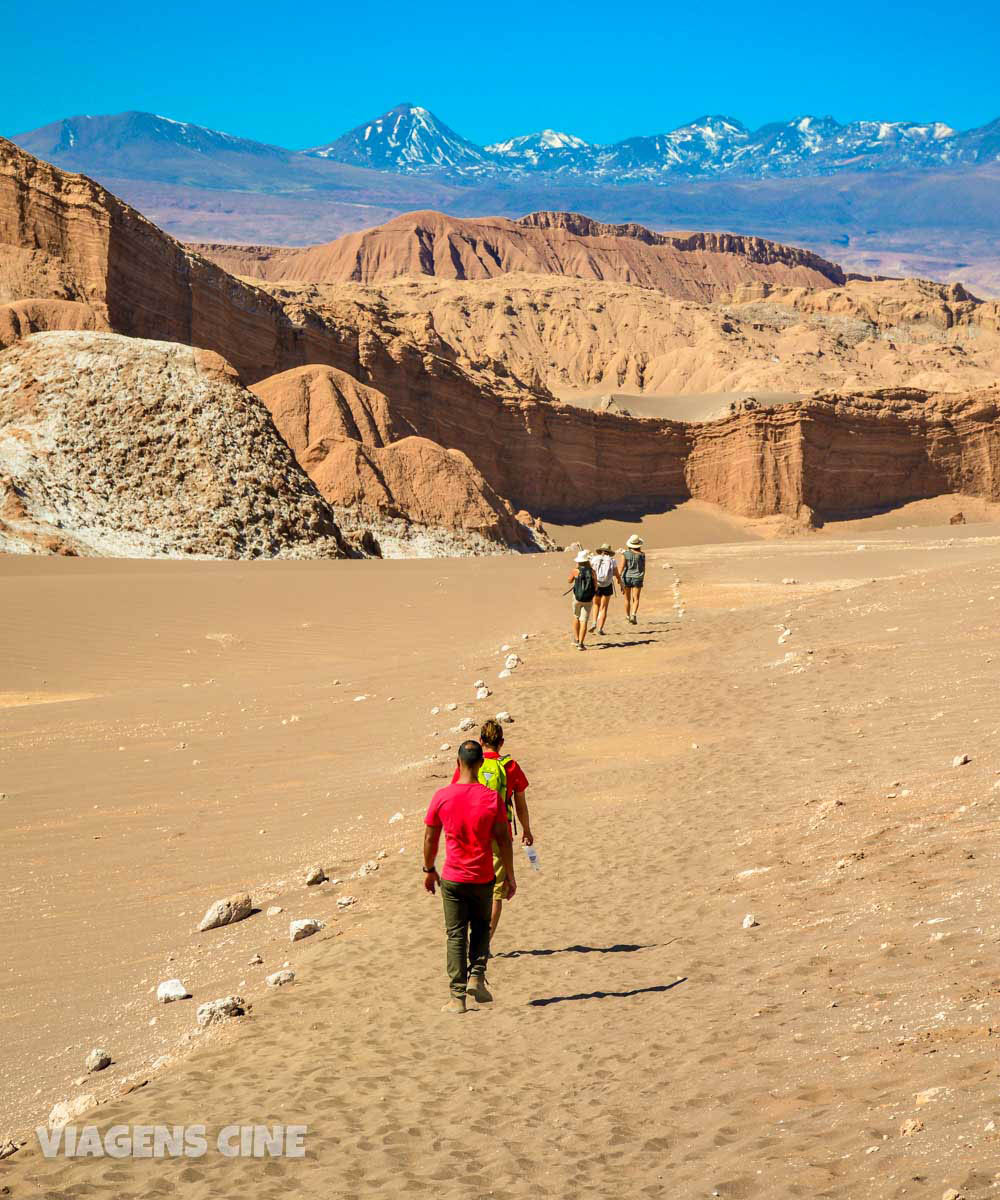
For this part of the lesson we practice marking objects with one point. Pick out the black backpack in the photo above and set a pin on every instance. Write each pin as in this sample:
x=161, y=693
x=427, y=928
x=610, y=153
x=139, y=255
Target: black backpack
x=584, y=586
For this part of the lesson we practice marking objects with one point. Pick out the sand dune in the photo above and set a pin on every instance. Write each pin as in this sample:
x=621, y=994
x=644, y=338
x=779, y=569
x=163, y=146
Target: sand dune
x=649, y=1044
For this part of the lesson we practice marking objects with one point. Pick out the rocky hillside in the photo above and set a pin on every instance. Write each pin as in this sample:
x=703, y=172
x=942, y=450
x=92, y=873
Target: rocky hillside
x=367, y=461
x=117, y=446
x=697, y=266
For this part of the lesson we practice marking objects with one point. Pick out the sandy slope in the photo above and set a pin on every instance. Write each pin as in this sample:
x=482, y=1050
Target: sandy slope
x=685, y=773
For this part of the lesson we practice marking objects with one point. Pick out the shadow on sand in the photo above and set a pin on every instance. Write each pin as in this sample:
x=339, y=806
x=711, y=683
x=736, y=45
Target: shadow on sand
x=623, y=948
x=660, y=987
x=621, y=645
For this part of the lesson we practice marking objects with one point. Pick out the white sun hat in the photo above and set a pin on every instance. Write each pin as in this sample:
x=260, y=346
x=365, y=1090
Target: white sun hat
x=583, y=557
x=634, y=542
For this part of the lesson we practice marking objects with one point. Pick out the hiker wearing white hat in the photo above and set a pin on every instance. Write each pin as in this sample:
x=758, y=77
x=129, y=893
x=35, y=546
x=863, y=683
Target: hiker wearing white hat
x=605, y=573
x=583, y=585
x=633, y=573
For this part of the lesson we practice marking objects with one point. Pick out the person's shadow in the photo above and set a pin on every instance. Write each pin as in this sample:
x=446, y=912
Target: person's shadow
x=622, y=948
x=659, y=987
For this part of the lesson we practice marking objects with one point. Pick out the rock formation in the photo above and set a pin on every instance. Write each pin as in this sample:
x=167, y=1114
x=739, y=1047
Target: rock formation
x=118, y=446
x=364, y=459
x=687, y=266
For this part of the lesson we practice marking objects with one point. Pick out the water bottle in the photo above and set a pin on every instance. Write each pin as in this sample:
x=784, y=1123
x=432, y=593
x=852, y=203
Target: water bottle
x=532, y=854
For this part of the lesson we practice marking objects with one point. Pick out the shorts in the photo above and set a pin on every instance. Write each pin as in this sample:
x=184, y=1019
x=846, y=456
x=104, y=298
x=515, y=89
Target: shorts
x=632, y=583
x=500, y=883
x=581, y=609
x=605, y=589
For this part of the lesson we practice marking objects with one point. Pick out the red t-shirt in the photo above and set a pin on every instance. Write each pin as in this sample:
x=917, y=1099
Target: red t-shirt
x=517, y=781
x=470, y=814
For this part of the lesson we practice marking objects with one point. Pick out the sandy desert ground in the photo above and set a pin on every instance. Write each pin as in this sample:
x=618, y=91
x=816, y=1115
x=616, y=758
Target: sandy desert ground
x=774, y=738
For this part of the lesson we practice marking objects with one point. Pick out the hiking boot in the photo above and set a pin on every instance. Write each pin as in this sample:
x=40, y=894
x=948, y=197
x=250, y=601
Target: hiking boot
x=580, y=646
x=478, y=990
x=455, y=1005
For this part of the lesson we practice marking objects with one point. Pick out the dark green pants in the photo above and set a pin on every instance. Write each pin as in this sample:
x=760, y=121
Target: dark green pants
x=467, y=911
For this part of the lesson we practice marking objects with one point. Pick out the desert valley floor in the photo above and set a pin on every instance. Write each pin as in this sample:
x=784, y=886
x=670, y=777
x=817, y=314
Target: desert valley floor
x=775, y=738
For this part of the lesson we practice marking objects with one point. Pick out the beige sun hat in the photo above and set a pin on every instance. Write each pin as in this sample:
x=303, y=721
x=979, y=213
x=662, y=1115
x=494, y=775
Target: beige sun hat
x=604, y=548
x=634, y=542
x=582, y=557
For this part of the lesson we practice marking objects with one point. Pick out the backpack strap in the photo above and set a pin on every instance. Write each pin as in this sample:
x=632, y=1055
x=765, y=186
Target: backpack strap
x=511, y=811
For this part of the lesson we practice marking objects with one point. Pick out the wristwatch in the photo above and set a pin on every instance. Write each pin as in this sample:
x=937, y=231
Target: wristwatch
x=430, y=870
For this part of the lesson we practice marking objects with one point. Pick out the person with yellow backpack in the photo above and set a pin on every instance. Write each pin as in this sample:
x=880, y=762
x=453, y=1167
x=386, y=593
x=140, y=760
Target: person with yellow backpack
x=503, y=775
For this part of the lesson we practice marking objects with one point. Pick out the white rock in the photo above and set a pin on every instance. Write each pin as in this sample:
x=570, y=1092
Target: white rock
x=435, y=710
x=504, y=674
x=223, y=1009
x=68, y=1110
x=960, y=760
x=483, y=693
x=368, y=868
x=256, y=961
x=97, y=1060
x=274, y=910
x=451, y=707
x=224, y=912
x=750, y=921
x=395, y=817
x=789, y=581
x=297, y=930
x=465, y=725
x=504, y=648
x=314, y=875
x=525, y=636
x=8, y=1147
x=382, y=854
x=862, y=547
x=346, y=901
x=504, y=717
x=279, y=979
x=170, y=990
x=512, y=662
x=479, y=683
x=445, y=746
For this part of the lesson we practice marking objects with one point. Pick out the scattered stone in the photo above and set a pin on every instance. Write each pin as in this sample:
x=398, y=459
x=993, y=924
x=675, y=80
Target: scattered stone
x=483, y=693
x=395, y=817
x=504, y=674
x=280, y=978
x=274, y=910
x=512, y=662
x=223, y=1009
x=170, y=990
x=382, y=854
x=445, y=746
x=957, y=519
x=224, y=912
x=960, y=760
x=314, y=875
x=750, y=921
x=346, y=901
x=790, y=581
x=525, y=636
x=504, y=648
x=9, y=1147
x=68, y=1110
x=256, y=961
x=910, y=1127
x=504, y=717
x=465, y=725
x=479, y=683
x=435, y=710
x=450, y=707
x=929, y=1095
x=952, y=1194
x=98, y=1060
x=297, y=930
x=368, y=868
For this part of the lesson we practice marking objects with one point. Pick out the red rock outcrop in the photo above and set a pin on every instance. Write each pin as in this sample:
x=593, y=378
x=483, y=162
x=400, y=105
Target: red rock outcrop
x=688, y=266
x=366, y=462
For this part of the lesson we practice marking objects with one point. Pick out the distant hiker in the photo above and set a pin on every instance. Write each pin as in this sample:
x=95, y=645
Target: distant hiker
x=501, y=773
x=605, y=573
x=633, y=572
x=473, y=817
x=584, y=590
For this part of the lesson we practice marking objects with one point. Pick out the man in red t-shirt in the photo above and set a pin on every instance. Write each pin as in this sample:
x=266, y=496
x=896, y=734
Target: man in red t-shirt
x=491, y=739
x=473, y=818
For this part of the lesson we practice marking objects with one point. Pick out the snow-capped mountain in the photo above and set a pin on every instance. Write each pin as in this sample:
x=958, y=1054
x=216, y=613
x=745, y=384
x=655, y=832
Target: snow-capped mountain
x=547, y=150
x=408, y=139
x=412, y=140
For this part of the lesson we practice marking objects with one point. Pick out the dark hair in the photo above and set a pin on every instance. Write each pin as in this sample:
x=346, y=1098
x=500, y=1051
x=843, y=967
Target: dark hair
x=491, y=734
x=470, y=754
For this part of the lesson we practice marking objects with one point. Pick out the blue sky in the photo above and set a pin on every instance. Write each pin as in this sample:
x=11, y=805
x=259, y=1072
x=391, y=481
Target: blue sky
x=300, y=74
